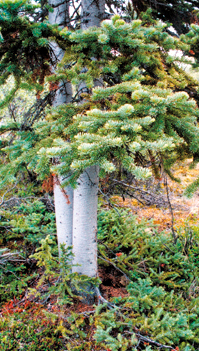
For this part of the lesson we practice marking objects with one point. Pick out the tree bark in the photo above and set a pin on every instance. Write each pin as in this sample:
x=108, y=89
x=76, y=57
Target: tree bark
x=78, y=225
x=63, y=198
x=92, y=13
x=85, y=196
x=85, y=222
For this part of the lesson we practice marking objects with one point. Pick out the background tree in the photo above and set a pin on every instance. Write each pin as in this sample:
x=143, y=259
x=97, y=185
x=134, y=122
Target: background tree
x=180, y=14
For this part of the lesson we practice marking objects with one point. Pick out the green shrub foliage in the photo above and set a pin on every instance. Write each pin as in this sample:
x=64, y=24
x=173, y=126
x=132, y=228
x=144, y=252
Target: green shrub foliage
x=57, y=273
x=158, y=311
x=21, y=228
x=29, y=221
x=163, y=294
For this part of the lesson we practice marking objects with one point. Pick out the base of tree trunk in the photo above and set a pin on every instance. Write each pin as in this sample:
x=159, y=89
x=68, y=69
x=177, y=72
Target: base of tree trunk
x=87, y=294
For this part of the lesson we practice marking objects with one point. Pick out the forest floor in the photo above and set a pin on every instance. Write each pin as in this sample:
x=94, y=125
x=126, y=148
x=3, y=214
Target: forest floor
x=180, y=209
x=176, y=207
x=184, y=210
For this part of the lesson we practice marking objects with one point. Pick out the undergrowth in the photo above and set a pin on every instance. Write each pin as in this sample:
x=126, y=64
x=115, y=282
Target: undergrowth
x=159, y=310
x=22, y=228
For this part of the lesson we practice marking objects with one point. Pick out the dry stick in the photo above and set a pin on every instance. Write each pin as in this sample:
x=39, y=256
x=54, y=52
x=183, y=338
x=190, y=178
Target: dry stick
x=171, y=210
x=77, y=94
x=110, y=204
x=150, y=341
x=108, y=248
x=135, y=197
x=75, y=12
x=2, y=201
x=132, y=187
x=102, y=300
x=23, y=199
x=36, y=111
x=136, y=189
x=118, y=269
x=11, y=109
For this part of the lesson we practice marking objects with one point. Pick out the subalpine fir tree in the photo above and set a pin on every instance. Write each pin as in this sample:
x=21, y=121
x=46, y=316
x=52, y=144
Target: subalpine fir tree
x=145, y=106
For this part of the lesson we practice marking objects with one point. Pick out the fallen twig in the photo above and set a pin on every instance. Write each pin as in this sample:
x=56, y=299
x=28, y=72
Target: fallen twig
x=7, y=191
x=110, y=204
x=150, y=341
x=171, y=210
x=102, y=300
x=118, y=269
x=132, y=187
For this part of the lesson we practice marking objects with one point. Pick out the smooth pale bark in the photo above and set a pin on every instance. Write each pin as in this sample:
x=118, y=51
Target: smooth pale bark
x=85, y=222
x=85, y=196
x=92, y=13
x=63, y=198
x=60, y=14
x=84, y=200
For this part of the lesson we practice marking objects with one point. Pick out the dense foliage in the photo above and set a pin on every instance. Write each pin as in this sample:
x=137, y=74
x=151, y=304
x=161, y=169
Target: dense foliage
x=143, y=110
x=159, y=307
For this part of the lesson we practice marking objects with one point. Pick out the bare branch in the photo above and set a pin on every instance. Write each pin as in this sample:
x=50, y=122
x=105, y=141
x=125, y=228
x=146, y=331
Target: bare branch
x=118, y=269
x=150, y=341
x=171, y=210
x=37, y=111
x=2, y=201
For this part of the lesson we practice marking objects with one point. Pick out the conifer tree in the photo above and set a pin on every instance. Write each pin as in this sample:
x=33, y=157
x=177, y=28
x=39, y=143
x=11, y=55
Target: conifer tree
x=103, y=135
x=144, y=108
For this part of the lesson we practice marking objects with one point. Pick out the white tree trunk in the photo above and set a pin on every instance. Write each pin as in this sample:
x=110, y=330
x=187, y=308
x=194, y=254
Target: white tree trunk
x=85, y=222
x=63, y=198
x=85, y=196
x=92, y=13
x=84, y=200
